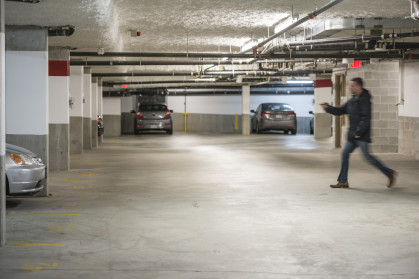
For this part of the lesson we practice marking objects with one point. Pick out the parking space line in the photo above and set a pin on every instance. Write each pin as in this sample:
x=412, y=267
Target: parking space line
x=84, y=169
x=39, y=244
x=87, y=160
x=71, y=204
x=60, y=228
x=70, y=195
x=82, y=187
x=66, y=180
x=90, y=174
x=38, y=266
x=27, y=215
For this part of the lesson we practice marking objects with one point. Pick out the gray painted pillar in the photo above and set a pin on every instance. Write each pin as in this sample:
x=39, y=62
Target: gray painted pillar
x=87, y=109
x=59, y=111
x=94, y=112
x=2, y=130
x=100, y=104
x=246, y=110
x=27, y=90
x=112, y=116
x=76, y=109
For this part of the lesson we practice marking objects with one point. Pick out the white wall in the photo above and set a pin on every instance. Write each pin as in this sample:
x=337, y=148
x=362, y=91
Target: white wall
x=27, y=92
x=59, y=91
x=112, y=106
x=76, y=90
x=232, y=104
x=322, y=95
x=409, y=87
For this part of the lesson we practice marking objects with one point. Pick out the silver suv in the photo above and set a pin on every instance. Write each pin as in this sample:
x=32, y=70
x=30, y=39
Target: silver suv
x=154, y=117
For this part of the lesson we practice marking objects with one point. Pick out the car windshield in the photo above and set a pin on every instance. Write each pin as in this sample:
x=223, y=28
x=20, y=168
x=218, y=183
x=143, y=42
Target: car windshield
x=153, y=107
x=277, y=107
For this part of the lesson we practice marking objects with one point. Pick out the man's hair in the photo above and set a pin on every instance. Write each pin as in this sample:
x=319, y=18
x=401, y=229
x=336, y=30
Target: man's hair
x=358, y=81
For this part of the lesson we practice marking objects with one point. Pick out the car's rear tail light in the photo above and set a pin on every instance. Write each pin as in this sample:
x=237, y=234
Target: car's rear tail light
x=292, y=114
x=168, y=124
x=139, y=114
x=167, y=114
x=264, y=113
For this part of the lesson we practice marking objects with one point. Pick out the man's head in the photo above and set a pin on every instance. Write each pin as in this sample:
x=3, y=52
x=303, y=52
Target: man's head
x=356, y=86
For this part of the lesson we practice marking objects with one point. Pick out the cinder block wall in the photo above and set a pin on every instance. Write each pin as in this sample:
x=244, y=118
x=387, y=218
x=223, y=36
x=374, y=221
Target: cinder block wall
x=382, y=80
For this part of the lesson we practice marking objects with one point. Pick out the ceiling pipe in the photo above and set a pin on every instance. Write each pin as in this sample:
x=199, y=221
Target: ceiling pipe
x=165, y=54
x=154, y=63
x=212, y=73
x=25, y=1
x=66, y=30
x=308, y=17
x=355, y=46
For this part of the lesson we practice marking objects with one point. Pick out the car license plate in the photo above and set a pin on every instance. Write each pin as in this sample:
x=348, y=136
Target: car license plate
x=279, y=116
x=154, y=126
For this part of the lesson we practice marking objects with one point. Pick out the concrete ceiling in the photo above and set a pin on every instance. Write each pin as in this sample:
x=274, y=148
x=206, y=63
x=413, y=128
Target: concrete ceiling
x=181, y=25
x=177, y=26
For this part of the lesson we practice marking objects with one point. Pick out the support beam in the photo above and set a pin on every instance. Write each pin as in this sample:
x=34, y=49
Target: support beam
x=100, y=103
x=2, y=129
x=27, y=90
x=246, y=110
x=94, y=112
x=59, y=111
x=322, y=120
x=87, y=109
x=76, y=109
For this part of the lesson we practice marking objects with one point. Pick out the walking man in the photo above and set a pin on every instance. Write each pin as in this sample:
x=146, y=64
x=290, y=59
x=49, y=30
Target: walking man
x=359, y=135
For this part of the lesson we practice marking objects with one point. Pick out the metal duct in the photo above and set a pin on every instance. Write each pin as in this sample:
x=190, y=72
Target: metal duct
x=355, y=46
x=25, y=1
x=415, y=4
x=309, y=16
x=354, y=39
x=66, y=30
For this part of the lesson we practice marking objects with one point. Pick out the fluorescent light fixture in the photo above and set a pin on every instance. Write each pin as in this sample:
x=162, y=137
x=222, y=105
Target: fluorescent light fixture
x=300, y=81
x=224, y=58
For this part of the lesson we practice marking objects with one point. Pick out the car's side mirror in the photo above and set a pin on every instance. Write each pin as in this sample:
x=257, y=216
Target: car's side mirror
x=171, y=111
x=252, y=111
x=132, y=111
x=310, y=112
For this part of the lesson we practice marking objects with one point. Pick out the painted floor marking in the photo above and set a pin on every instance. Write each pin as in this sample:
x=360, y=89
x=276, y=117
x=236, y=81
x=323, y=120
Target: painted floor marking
x=83, y=187
x=71, y=204
x=38, y=266
x=65, y=180
x=27, y=215
x=39, y=244
x=71, y=195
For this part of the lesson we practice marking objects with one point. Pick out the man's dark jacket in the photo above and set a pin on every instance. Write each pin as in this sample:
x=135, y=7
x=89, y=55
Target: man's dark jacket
x=359, y=111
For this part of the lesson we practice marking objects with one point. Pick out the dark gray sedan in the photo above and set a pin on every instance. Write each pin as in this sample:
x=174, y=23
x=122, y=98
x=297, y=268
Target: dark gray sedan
x=25, y=171
x=154, y=117
x=274, y=116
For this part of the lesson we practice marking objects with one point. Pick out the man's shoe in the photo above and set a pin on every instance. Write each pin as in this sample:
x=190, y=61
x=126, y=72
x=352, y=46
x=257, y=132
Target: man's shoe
x=392, y=178
x=340, y=185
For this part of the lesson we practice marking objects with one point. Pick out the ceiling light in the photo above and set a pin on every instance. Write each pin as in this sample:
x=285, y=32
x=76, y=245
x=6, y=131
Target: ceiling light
x=300, y=81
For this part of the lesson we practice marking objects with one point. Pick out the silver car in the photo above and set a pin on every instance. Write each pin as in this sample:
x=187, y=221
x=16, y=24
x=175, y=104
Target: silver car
x=274, y=116
x=25, y=171
x=154, y=117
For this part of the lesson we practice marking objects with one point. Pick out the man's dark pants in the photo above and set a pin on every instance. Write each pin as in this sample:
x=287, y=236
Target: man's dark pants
x=349, y=148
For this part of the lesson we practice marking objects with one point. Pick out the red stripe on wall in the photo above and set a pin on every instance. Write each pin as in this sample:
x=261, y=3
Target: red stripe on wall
x=322, y=83
x=59, y=68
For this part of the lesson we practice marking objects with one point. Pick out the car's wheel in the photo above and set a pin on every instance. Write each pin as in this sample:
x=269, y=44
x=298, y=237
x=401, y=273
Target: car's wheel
x=170, y=132
x=286, y=132
x=258, y=131
x=294, y=132
x=7, y=186
x=311, y=131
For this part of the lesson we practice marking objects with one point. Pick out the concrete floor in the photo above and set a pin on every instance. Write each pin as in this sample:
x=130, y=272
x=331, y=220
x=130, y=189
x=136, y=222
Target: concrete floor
x=228, y=206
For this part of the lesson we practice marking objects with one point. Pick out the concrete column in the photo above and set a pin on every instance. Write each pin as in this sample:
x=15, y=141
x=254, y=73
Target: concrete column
x=94, y=112
x=59, y=111
x=100, y=104
x=112, y=116
x=2, y=129
x=246, y=110
x=322, y=120
x=27, y=90
x=87, y=109
x=76, y=109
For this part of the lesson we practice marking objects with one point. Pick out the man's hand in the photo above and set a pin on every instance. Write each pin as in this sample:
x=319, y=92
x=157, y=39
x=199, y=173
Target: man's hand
x=324, y=105
x=357, y=137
